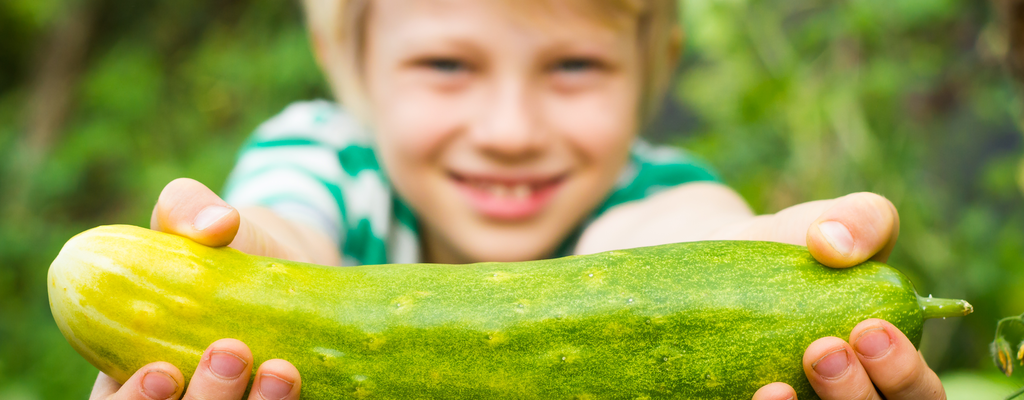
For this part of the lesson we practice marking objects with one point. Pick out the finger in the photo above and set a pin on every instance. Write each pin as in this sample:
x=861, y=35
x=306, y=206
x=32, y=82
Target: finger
x=190, y=209
x=223, y=372
x=104, y=387
x=834, y=372
x=155, y=381
x=775, y=391
x=856, y=228
x=892, y=362
x=276, y=380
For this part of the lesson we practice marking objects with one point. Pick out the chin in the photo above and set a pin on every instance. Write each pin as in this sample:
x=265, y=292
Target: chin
x=506, y=247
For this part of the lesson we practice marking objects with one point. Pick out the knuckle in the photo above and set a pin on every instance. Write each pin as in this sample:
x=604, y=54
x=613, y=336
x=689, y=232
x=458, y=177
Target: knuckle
x=198, y=396
x=866, y=392
x=874, y=202
x=851, y=391
x=904, y=381
x=174, y=187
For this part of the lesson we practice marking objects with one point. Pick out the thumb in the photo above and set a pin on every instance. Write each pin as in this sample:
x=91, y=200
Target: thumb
x=856, y=228
x=190, y=209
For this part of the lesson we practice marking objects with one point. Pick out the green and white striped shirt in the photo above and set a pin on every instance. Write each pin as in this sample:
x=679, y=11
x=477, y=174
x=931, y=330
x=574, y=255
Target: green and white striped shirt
x=316, y=165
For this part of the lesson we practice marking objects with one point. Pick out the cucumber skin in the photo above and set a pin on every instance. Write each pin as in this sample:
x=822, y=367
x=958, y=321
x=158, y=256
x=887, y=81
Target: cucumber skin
x=707, y=320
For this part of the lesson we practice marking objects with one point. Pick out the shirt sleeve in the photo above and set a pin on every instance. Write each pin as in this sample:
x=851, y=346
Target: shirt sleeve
x=655, y=168
x=302, y=162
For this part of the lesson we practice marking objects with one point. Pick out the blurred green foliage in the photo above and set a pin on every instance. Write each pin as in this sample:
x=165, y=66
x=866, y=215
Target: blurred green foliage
x=792, y=100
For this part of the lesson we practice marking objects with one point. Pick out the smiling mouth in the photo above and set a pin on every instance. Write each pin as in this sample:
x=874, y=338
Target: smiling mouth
x=507, y=199
x=507, y=189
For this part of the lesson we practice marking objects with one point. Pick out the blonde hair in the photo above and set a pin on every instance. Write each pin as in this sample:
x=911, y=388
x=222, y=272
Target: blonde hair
x=338, y=26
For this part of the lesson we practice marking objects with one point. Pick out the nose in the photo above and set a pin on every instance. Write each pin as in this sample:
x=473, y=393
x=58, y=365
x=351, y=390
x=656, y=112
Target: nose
x=508, y=125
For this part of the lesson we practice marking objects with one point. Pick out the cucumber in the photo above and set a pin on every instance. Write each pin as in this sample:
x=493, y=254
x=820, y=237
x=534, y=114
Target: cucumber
x=709, y=320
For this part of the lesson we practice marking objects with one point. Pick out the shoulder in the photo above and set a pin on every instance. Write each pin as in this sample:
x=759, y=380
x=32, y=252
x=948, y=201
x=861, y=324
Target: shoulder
x=317, y=122
x=314, y=163
x=654, y=168
x=669, y=164
x=311, y=139
x=317, y=137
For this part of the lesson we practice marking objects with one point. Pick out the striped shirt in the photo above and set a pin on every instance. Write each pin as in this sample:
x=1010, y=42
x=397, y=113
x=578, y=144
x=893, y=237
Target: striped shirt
x=315, y=164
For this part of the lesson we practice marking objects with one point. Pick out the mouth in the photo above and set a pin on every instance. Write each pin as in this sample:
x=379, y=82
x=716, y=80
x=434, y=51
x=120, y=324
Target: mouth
x=506, y=198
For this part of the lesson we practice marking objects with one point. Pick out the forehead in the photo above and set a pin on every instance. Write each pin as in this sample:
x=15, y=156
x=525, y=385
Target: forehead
x=423, y=19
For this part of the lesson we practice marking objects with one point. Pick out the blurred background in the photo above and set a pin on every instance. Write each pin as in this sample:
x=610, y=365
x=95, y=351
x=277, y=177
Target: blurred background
x=102, y=102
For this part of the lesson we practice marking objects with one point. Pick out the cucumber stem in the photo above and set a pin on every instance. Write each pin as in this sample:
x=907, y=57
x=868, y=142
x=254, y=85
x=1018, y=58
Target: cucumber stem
x=934, y=307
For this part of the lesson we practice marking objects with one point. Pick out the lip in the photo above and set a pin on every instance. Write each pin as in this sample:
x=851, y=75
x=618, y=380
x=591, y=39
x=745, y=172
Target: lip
x=479, y=193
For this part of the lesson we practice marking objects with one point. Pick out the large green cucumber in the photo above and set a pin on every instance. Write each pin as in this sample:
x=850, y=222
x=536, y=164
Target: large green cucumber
x=711, y=320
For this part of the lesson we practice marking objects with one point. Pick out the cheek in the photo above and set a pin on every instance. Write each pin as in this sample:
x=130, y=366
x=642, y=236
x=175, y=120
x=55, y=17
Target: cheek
x=414, y=125
x=600, y=127
x=412, y=128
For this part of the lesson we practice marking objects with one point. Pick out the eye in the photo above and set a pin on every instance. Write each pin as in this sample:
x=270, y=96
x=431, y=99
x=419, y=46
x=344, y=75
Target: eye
x=576, y=65
x=446, y=65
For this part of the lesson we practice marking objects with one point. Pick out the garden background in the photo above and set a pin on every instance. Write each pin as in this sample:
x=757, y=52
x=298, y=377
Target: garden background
x=102, y=102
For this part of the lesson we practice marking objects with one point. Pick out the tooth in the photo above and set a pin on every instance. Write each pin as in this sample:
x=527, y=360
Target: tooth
x=521, y=191
x=498, y=190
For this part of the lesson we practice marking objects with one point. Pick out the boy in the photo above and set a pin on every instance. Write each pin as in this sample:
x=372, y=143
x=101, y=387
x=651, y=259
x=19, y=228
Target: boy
x=507, y=130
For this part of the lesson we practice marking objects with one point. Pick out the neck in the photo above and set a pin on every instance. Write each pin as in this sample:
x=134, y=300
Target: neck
x=436, y=250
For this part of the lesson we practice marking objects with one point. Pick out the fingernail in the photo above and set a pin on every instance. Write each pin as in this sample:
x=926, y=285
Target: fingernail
x=158, y=385
x=873, y=342
x=832, y=365
x=274, y=388
x=838, y=236
x=226, y=364
x=208, y=216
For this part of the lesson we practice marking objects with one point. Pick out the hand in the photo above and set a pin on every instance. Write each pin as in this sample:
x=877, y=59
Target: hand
x=839, y=233
x=190, y=209
x=223, y=374
x=880, y=357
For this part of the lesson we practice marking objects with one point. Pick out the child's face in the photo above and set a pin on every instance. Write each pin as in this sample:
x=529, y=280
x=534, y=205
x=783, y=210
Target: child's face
x=503, y=131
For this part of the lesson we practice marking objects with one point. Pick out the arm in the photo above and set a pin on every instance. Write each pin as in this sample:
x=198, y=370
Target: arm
x=839, y=233
x=689, y=212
